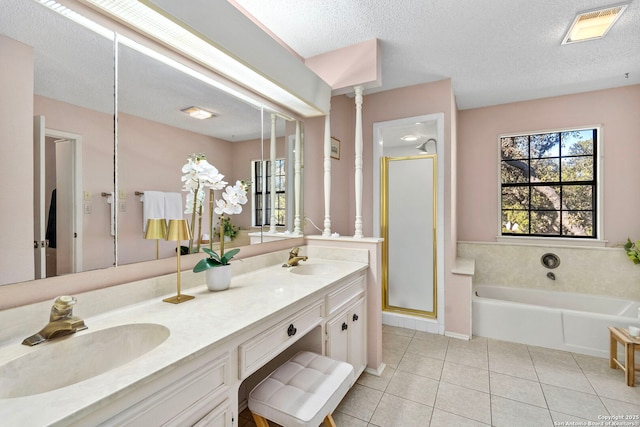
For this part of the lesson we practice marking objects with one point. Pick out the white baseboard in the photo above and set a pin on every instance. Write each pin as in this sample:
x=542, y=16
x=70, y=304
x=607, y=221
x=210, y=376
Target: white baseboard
x=376, y=372
x=457, y=335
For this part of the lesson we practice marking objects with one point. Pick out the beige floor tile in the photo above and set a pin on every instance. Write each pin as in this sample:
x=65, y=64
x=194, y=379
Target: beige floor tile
x=565, y=378
x=360, y=402
x=614, y=387
x=434, y=349
x=426, y=336
x=394, y=341
x=392, y=357
x=377, y=382
x=466, y=376
x=508, y=413
x=395, y=411
x=468, y=355
x=515, y=365
x=344, y=420
x=517, y=389
x=447, y=419
x=572, y=402
x=421, y=365
x=557, y=358
x=506, y=347
x=464, y=402
x=398, y=331
x=599, y=365
x=561, y=419
x=413, y=387
x=623, y=408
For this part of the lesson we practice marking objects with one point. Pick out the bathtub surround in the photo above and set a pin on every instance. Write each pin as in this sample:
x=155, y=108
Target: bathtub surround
x=595, y=271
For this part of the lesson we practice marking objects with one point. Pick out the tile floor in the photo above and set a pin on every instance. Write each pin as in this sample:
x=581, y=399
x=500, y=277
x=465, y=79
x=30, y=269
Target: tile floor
x=433, y=380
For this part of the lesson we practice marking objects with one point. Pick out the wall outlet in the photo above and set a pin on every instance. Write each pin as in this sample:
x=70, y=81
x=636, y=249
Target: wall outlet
x=122, y=194
x=87, y=195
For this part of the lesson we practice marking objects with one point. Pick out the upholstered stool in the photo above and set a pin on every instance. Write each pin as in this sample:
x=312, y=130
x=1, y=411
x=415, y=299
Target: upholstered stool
x=302, y=392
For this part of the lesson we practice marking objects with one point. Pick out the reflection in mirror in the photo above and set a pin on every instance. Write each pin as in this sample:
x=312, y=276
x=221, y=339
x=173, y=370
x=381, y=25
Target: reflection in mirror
x=155, y=138
x=72, y=95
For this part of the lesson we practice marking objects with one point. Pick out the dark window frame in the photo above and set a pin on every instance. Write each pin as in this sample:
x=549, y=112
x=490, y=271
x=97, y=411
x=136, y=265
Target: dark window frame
x=262, y=193
x=529, y=187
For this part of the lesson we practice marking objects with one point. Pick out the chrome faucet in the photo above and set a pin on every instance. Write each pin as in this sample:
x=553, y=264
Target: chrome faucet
x=294, y=259
x=61, y=322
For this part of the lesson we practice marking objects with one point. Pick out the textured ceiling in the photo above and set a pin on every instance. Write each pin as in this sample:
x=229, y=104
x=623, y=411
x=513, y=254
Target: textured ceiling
x=495, y=51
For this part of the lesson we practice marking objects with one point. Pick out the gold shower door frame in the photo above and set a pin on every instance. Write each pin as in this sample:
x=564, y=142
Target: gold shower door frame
x=385, y=221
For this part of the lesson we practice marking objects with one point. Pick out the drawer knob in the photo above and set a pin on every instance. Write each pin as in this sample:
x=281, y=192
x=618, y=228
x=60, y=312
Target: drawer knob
x=344, y=326
x=355, y=317
x=291, y=331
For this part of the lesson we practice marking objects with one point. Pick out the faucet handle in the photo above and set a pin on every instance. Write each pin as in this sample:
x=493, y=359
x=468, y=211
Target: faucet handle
x=62, y=307
x=64, y=302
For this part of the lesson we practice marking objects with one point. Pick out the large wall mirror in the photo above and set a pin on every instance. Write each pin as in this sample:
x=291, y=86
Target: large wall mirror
x=75, y=90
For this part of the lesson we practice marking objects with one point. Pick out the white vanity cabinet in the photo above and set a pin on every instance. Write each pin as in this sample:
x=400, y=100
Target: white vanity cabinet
x=346, y=325
x=220, y=345
x=184, y=396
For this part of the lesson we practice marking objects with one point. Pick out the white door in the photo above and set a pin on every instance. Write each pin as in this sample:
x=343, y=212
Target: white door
x=39, y=217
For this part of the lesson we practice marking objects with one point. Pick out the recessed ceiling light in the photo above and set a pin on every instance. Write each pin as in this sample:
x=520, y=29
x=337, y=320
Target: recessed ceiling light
x=593, y=24
x=409, y=138
x=198, y=113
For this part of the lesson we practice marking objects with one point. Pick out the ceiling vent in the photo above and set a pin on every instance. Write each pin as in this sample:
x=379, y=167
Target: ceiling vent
x=594, y=24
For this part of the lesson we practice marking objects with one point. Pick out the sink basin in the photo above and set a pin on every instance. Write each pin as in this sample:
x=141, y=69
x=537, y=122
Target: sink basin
x=313, y=269
x=69, y=360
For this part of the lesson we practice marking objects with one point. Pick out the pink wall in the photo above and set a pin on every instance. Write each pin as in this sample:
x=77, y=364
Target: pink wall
x=616, y=109
x=150, y=157
x=16, y=166
x=96, y=130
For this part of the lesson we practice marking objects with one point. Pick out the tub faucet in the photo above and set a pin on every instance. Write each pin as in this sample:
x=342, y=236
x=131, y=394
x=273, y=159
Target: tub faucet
x=551, y=276
x=294, y=259
x=61, y=322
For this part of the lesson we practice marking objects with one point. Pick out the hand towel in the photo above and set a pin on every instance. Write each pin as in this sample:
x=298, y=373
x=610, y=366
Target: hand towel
x=152, y=207
x=173, y=206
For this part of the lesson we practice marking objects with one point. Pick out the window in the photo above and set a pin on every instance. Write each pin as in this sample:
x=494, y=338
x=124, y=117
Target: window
x=549, y=184
x=262, y=193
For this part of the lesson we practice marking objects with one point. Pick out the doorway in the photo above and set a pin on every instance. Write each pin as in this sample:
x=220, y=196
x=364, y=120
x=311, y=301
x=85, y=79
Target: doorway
x=408, y=206
x=58, y=197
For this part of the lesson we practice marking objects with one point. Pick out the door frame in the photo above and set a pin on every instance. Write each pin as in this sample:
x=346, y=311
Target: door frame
x=76, y=188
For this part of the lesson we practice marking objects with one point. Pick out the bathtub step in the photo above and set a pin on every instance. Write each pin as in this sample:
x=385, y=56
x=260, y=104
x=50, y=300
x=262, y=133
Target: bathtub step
x=631, y=344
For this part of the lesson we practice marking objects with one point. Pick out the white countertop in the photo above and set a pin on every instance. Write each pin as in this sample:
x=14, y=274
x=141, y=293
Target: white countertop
x=196, y=326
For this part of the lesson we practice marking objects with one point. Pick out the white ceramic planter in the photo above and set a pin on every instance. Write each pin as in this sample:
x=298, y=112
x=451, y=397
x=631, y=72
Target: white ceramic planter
x=218, y=278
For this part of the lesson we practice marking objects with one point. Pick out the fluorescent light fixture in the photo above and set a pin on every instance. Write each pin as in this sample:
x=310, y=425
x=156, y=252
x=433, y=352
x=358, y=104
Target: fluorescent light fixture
x=198, y=113
x=162, y=28
x=409, y=138
x=593, y=24
x=76, y=17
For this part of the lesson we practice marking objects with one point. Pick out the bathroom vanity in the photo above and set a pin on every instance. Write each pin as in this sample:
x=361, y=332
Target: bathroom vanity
x=153, y=363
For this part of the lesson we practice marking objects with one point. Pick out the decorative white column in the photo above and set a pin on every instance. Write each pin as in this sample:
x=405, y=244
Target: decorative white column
x=327, y=176
x=272, y=189
x=297, y=230
x=358, y=178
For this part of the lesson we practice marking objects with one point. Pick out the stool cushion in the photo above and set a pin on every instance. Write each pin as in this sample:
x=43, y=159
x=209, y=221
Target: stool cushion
x=303, y=391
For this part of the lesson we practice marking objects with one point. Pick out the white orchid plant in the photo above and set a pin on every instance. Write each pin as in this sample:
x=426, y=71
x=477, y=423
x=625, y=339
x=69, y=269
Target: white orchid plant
x=199, y=176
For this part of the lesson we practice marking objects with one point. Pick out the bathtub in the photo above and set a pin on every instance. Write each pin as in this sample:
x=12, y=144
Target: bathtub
x=559, y=320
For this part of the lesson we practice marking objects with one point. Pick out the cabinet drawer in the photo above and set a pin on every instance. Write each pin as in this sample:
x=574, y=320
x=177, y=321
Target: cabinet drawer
x=345, y=293
x=257, y=351
x=177, y=400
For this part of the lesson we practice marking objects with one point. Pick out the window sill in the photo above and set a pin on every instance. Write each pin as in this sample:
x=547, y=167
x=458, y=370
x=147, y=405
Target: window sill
x=552, y=241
